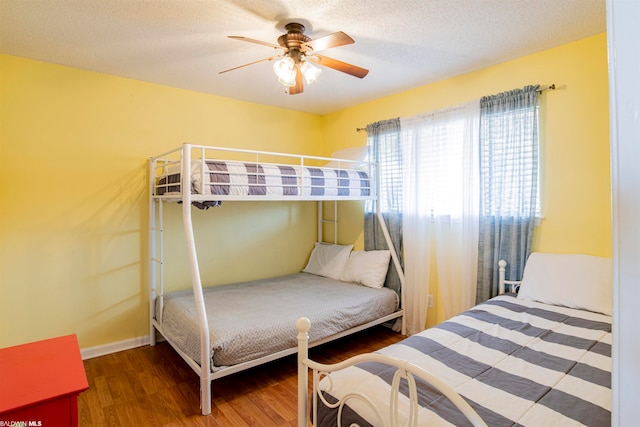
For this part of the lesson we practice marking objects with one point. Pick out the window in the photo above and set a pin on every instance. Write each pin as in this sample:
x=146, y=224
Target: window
x=509, y=167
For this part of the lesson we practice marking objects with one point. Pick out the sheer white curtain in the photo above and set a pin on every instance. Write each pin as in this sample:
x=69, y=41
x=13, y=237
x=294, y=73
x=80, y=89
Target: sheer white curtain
x=441, y=203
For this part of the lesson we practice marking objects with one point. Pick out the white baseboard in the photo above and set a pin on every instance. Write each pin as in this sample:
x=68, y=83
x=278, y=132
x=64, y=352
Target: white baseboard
x=101, y=350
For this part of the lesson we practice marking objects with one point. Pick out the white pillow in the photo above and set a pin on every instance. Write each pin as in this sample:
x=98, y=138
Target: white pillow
x=368, y=268
x=356, y=153
x=328, y=260
x=569, y=280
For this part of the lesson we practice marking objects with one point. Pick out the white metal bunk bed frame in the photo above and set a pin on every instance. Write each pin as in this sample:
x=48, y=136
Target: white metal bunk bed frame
x=182, y=157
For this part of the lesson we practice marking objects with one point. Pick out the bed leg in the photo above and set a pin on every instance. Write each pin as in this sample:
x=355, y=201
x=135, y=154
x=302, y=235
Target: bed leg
x=152, y=337
x=205, y=395
x=303, y=325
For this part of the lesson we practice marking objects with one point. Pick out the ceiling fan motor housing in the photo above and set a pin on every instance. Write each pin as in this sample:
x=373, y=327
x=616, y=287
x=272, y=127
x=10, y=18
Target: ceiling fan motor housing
x=294, y=41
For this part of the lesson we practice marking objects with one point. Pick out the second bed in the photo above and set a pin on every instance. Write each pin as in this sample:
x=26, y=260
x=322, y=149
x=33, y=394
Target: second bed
x=254, y=319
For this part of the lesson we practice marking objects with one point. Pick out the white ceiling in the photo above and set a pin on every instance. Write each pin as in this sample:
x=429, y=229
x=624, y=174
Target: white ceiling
x=183, y=43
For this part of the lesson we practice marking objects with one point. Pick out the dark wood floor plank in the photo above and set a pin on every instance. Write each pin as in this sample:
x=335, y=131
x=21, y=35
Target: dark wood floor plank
x=103, y=392
x=270, y=413
x=153, y=386
x=110, y=416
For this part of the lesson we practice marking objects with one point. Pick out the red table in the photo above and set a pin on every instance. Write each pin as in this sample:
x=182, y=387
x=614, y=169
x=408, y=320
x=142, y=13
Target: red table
x=40, y=383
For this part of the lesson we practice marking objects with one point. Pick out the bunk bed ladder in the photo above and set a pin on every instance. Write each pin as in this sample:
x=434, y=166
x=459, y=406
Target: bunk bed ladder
x=322, y=221
x=153, y=260
x=156, y=257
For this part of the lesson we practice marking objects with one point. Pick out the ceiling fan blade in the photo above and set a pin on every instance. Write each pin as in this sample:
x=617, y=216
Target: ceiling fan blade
x=339, y=65
x=332, y=40
x=247, y=39
x=299, y=87
x=250, y=63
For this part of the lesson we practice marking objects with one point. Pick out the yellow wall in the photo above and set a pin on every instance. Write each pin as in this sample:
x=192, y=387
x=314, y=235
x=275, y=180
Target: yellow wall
x=574, y=132
x=73, y=208
x=73, y=201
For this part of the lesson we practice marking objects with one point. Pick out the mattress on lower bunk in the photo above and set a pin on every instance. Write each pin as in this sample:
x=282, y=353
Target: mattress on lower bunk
x=228, y=178
x=515, y=362
x=252, y=319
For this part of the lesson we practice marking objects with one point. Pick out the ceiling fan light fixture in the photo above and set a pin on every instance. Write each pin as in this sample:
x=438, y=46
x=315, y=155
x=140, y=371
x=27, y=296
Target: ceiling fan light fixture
x=292, y=66
x=288, y=82
x=286, y=71
x=309, y=72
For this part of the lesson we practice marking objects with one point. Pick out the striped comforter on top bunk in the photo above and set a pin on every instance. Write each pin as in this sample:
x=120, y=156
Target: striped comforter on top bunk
x=516, y=362
x=262, y=179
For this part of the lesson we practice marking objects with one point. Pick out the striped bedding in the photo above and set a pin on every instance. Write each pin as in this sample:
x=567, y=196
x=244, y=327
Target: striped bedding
x=261, y=179
x=516, y=362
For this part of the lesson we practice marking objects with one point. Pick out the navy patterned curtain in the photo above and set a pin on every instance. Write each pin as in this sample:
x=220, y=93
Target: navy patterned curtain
x=509, y=195
x=383, y=139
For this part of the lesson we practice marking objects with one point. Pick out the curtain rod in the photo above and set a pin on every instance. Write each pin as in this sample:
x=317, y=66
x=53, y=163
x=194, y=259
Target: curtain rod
x=552, y=86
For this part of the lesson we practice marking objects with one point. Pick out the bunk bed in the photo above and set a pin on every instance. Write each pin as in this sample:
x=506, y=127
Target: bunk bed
x=541, y=356
x=214, y=329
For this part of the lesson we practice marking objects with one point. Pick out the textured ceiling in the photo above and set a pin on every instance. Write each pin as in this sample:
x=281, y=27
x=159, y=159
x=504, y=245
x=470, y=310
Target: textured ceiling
x=183, y=43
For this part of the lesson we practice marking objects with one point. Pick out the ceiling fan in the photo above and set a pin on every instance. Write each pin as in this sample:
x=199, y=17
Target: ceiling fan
x=295, y=63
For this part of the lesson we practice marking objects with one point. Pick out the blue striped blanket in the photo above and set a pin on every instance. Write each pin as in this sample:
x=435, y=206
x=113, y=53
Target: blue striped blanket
x=228, y=180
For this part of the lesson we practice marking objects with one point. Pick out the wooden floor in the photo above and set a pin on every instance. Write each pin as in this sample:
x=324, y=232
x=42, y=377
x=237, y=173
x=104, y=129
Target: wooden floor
x=153, y=386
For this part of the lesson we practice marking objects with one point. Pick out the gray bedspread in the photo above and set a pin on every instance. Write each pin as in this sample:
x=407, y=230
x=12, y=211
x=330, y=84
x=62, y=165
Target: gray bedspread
x=249, y=320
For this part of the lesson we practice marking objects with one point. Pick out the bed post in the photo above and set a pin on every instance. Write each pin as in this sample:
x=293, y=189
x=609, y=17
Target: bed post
x=302, y=325
x=514, y=285
x=205, y=359
x=502, y=264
